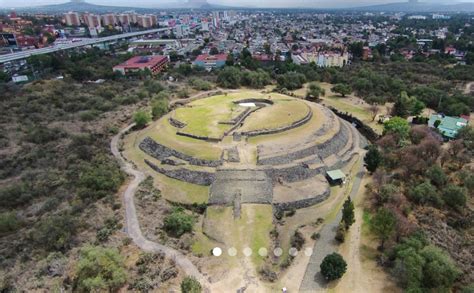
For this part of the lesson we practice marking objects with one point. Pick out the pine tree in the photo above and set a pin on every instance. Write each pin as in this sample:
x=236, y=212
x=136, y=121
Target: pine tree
x=348, y=213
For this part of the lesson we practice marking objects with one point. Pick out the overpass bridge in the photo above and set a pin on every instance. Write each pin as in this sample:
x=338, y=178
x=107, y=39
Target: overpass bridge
x=85, y=42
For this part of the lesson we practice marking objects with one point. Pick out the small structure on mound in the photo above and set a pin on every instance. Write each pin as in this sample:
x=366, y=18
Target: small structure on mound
x=336, y=177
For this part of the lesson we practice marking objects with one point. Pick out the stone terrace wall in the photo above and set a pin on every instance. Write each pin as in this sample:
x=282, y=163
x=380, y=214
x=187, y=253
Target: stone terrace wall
x=303, y=203
x=160, y=152
x=176, y=123
x=366, y=130
x=325, y=149
x=295, y=124
x=293, y=173
x=186, y=175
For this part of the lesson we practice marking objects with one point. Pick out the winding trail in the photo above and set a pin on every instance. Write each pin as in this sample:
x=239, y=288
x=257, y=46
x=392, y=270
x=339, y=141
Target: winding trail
x=133, y=226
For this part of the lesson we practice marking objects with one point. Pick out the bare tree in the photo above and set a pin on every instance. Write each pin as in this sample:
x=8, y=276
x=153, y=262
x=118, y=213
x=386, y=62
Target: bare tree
x=374, y=110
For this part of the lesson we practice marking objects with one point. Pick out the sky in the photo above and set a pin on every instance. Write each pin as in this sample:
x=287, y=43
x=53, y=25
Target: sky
x=246, y=3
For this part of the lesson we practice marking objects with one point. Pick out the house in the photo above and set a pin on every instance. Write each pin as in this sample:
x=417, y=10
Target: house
x=448, y=126
x=154, y=64
x=336, y=177
x=210, y=61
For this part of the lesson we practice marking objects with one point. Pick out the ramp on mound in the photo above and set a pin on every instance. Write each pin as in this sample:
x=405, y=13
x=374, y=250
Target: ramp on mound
x=251, y=186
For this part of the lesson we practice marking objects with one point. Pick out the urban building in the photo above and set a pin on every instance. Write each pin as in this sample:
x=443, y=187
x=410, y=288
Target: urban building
x=141, y=63
x=210, y=61
x=72, y=19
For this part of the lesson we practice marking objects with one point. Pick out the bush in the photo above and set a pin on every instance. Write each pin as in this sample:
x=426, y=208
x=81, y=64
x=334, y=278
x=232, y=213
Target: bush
x=425, y=193
x=56, y=232
x=8, y=222
x=200, y=85
x=454, y=196
x=178, y=222
x=341, y=232
x=437, y=176
x=333, y=266
x=159, y=108
x=229, y=77
x=419, y=266
x=141, y=119
x=297, y=240
x=99, y=269
x=190, y=285
x=315, y=236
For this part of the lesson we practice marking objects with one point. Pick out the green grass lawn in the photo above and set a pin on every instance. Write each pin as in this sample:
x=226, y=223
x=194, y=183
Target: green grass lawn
x=283, y=113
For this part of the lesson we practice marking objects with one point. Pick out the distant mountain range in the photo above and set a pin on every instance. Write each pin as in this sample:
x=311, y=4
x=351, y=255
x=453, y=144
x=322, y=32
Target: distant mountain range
x=417, y=7
x=81, y=6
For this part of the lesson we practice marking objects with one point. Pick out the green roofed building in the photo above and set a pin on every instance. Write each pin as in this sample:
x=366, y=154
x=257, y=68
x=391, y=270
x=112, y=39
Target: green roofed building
x=335, y=176
x=448, y=126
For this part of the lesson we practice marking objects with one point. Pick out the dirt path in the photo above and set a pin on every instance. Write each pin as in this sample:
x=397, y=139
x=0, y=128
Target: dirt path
x=361, y=276
x=132, y=224
x=313, y=281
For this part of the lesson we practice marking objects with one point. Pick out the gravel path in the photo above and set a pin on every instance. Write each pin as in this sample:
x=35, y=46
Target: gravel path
x=133, y=226
x=313, y=281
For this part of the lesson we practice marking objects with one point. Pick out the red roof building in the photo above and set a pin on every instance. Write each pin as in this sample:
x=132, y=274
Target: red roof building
x=139, y=63
x=210, y=61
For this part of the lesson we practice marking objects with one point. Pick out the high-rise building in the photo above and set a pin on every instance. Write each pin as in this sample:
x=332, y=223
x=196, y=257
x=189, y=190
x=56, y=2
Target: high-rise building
x=91, y=20
x=145, y=21
x=109, y=19
x=124, y=19
x=72, y=19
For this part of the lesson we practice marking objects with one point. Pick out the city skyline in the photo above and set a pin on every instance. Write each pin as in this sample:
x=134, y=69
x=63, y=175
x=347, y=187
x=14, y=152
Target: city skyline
x=240, y=3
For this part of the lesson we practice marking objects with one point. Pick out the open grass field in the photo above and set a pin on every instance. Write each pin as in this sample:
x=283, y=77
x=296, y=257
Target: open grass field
x=171, y=189
x=252, y=229
x=283, y=113
x=351, y=104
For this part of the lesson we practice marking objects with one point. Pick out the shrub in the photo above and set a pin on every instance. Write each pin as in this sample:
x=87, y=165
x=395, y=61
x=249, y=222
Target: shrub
x=297, y=240
x=437, y=176
x=141, y=119
x=454, y=196
x=178, y=222
x=348, y=213
x=190, y=285
x=8, y=222
x=56, y=232
x=99, y=269
x=315, y=236
x=425, y=193
x=333, y=266
x=341, y=232
x=159, y=107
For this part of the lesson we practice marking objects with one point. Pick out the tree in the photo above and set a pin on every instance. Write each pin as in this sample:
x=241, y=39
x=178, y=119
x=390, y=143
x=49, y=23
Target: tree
x=190, y=285
x=229, y=77
x=372, y=158
x=213, y=51
x=348, y=213
x=178, y=222
x=383, y=225
x=291, y=80
x=229, y=60
x=397, y=126
x=454, y=196
x=374, y=110
x=314, y=91
x=342, y=89
x=99, y=269
x=407, y=106
x=333, y=266
x=141, y=119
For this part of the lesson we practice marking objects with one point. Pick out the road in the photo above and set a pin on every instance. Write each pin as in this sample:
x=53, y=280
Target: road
x=313, y=281
x=133, y=226
x=87, y=42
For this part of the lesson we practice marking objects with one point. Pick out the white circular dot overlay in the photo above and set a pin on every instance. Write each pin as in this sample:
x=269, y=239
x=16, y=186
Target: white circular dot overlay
x=262, y=251
x=232, y=251
x=247, y=251
x=216, y=251
x=293, y=251
x=308, y=251
x=278, y=251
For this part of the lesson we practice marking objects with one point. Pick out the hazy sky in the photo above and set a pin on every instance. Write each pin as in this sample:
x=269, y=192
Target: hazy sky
x=250, y=3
